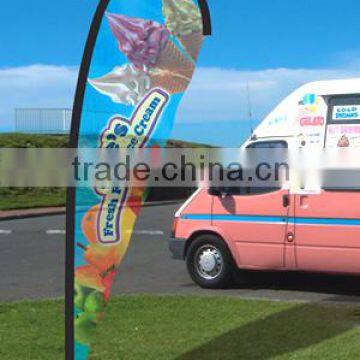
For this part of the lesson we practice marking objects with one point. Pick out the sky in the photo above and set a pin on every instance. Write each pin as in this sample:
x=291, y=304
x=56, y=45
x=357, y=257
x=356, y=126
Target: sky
x=273, y=46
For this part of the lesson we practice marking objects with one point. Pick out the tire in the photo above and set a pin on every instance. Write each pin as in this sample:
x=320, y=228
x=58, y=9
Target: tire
x=210, y=252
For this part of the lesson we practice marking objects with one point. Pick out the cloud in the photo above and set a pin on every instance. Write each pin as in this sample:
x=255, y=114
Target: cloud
x=215, y=93
x=35, y=86
x=221, y=94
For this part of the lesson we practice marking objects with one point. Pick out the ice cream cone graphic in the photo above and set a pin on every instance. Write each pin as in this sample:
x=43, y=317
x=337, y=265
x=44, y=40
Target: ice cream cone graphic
x=192, y=44
x=172, y=60
x=184, y=21
x=148, y=45
x=124, y=85
x=171, y=83
x=128, y=85
x=344, y=142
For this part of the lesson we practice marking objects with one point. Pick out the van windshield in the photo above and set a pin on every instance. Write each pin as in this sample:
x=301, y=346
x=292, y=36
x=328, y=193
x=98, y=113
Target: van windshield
x=278, y=144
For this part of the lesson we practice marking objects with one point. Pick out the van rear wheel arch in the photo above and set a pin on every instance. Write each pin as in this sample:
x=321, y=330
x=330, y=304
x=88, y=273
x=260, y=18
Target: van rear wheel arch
x=199, y=233
x=209, y=260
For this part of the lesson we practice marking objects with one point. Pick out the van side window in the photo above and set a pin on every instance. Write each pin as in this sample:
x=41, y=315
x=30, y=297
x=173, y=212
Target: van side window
x=247, y=191
x=256, y=190
x=334, y=189
x=340, y=180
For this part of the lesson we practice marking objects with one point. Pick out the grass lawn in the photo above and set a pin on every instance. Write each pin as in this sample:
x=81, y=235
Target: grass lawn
x=27, y=198
x=33, y=141
x=148, y=327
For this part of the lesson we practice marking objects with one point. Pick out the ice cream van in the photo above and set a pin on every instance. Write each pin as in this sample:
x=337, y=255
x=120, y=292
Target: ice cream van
x=218, y=230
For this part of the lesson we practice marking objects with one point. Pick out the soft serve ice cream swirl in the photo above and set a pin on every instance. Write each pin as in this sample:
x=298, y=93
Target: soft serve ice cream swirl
x=124, y=85
x=183, y=17
x=140, y=40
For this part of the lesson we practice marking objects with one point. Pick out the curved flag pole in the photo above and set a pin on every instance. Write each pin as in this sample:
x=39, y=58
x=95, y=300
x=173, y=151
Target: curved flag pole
x=138, y=62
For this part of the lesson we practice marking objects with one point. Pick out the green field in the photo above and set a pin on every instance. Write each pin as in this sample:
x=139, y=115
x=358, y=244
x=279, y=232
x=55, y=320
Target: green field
x=28, y=198
x=148, y=327
x=25, y=198
x=62, y=141
x=33, y=141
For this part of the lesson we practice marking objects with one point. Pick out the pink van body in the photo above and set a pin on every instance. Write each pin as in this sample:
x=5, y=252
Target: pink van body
x=276, y=230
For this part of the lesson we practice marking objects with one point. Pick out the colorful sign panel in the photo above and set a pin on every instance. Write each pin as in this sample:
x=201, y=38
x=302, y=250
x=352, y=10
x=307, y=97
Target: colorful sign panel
x=346, y=112
x=343, y=136
x=311, y=120
x=311, y=112
x=138, y=62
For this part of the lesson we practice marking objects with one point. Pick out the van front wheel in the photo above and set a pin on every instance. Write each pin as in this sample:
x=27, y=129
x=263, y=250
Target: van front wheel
x=209, y=262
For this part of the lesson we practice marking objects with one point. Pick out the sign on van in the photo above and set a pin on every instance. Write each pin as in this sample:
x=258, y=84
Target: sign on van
x=343, y=135
x=346, y=112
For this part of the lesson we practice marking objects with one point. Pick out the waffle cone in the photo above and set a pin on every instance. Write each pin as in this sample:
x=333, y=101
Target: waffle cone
x=192, y=44
x=174, y=61
x=170, y=82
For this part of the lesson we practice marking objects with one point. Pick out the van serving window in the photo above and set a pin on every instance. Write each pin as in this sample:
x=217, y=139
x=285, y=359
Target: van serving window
x=344, y=109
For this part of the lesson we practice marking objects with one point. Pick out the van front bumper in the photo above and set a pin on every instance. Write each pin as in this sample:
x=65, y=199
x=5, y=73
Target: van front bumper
x=177, y=248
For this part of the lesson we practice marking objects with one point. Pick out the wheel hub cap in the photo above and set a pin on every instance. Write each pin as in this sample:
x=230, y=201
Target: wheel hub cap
x=209, y=262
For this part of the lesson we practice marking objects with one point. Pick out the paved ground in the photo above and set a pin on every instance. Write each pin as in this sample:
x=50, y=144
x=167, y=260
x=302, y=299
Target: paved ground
x=24, y=213
x=32, y=265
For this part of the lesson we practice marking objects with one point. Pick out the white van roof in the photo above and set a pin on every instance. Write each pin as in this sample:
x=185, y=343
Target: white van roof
x=280, y=122
x=331, y=87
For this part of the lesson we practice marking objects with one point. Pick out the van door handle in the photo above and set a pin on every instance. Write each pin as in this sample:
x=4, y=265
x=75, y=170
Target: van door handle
x=286, y=201
x=290, y=237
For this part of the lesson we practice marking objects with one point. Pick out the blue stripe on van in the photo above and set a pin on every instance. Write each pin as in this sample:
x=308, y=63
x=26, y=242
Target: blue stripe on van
x=272, y=219
x=236, y=218
x=326, y=221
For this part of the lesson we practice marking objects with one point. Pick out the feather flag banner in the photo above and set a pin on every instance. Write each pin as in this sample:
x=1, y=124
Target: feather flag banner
x=139, y=60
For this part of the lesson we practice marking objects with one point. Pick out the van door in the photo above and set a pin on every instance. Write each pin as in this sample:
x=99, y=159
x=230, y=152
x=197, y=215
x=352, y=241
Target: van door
x=327, y=229
x=256, y=223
